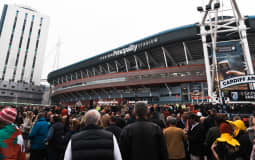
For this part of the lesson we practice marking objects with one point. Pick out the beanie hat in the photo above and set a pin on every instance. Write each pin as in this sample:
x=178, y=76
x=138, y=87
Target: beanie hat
x=8, y=115
x=225, y=128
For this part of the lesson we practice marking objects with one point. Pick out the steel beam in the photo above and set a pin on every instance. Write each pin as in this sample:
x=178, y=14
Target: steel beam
x=66, y=78
x=81, y=74
x=87, y=72
x=136, y=63
x=147, y=59
x=153, y=60
x=125, y=60
x=164, y=54
x=100, y=68
x=140, y=61
x=108, y=67
x=76, y=74
x=167, y=53
x=94, y=71
x=185, y=51
x=188, y=51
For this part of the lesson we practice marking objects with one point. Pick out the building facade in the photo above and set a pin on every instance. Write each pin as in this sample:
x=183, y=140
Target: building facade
x=23, y=35
x=164, y=68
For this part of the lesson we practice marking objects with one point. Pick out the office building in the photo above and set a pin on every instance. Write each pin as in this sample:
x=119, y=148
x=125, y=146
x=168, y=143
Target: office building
x=23, y=35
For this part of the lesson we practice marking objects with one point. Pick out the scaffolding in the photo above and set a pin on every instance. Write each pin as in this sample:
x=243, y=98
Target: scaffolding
x=218, y=17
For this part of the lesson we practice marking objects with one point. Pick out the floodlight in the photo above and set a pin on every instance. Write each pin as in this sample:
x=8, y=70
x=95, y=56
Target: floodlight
x=208, y=7
x=216, y=5
x=200, y=9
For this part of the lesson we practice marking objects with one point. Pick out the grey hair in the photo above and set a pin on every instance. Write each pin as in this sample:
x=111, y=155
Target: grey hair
x=171, y=120
x=92, y=117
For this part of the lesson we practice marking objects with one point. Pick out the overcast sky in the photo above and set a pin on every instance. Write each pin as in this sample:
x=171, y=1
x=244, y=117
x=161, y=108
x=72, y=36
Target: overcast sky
x=90, y=27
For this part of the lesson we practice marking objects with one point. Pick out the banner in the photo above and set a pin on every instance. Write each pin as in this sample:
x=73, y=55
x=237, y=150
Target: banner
x=230, y=61
x=242, y=95
x=237, y=80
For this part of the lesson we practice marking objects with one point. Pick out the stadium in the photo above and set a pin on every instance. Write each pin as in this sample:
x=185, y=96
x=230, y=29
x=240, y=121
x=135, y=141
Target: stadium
x=161, y=69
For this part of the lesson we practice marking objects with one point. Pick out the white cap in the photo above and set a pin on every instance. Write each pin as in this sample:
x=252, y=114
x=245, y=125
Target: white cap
x=199, y=114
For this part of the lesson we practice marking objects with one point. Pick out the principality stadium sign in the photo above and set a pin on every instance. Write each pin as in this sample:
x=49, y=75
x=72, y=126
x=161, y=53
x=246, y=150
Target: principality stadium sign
x=125, y=50
x=122, y=51
x=130, y=48
x=237, y=80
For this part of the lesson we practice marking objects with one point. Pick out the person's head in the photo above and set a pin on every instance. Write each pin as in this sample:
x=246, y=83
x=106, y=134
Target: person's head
x=113, y=120
x=75, y=125
x=212, y=112
x=7, y=116
x=185, y=116
x=225, y=128
x=92, y=117
x=219, y=118
x=56, y=118
x=41, y=115
x=193, y=119
x=49, y=113
x=237, y=126
x=24, y=114
x=30, y=114
x=127, y=116
x=105, y=120
x=52, y=118
x=171, y=121
x=64, y=119
x=202, y=119
x=236, y=118
x=140, y=109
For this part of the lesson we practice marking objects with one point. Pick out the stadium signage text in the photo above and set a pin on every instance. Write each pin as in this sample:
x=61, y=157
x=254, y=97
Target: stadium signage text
x=125, y=50
x=237, y=80
x=130, y=48
x=122, y=51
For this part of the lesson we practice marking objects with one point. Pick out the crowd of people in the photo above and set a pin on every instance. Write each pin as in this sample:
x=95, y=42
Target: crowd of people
x=134, y=132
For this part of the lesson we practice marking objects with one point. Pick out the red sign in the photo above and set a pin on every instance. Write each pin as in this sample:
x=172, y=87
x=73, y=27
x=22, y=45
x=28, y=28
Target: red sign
x=200, y=97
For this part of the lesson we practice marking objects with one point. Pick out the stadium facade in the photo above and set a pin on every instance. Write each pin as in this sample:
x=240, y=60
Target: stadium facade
x=164, y=68
x=23, y=34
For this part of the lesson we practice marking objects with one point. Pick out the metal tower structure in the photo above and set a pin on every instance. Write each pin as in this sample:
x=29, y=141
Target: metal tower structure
x=218, y=17
x=57, y=55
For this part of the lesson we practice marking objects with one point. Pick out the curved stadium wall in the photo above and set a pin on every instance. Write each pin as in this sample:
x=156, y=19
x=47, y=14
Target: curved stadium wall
x=164, y=68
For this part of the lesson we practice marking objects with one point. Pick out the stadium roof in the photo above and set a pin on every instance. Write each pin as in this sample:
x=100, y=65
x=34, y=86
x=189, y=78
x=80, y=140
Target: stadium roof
x=183, y=33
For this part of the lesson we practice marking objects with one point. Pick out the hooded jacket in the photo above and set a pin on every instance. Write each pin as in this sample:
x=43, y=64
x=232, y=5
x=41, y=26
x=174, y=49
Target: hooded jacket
x=39, y=134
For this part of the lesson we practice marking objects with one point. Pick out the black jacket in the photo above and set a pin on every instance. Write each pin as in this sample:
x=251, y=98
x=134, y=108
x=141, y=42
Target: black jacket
x=196, y=138
x=226, y=151
x=93, y=143
x=212, y=134
x=245, y=145
x=180, y=124
x=57, y=141
x=143, y=140
x=209, y=122
x=115, y=130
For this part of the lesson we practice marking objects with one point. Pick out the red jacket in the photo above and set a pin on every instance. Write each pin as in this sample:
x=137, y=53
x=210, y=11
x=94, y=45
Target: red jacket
x=11, y=143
